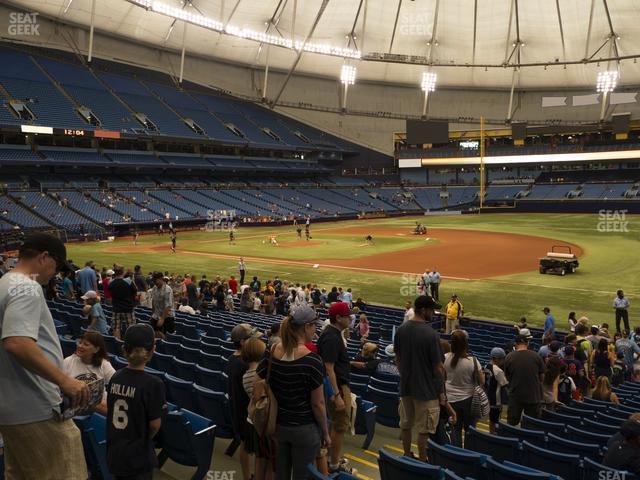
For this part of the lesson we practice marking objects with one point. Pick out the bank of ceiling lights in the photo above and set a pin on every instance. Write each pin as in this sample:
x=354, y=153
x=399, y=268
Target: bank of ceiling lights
x=607, y=81
x=246, y=33
x=348, y=75
x=429, y=80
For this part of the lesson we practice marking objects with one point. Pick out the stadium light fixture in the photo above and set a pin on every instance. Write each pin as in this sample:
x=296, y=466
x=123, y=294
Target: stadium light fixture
x=429, y=80
x=607, y=81
x=245, y=33
x=348, y=75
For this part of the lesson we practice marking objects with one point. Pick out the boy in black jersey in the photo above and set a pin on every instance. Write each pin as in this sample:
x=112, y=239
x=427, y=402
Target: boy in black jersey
x=135, y=402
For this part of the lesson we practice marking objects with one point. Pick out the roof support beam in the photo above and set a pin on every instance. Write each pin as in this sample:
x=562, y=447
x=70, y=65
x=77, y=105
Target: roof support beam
x=564, y=50
x=364, y=23
x=233, y=12
x=508, y=42
x=514, y=81
x=395, y=26
x=184, y=46
x=612, y=32
x=434, y=30
x=586, y=46
x=475, y=30
x=93, y=18
x=323, y=7
x=293, y=20
x=352, y=34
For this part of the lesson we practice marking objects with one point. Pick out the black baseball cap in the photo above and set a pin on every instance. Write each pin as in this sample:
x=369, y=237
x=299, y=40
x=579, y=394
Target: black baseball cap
x=425, y=301
x=39, y=242
x=139, y=335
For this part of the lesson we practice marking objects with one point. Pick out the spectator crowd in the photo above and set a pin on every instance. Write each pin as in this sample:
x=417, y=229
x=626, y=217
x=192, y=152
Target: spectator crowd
x=301, y=368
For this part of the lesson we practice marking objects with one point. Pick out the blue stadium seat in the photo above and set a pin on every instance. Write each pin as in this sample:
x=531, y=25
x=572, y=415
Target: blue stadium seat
x=500, y=448
x=163, y=362
x=210, y=361
x=620, y=412
x=608, y=419
x=583, y=411
x=511, y=471
x=561, y=464
x=168, y=348
x=581, y=435
x=214, y=405
x=188, y=354
x=359, y=389
x=463, y=462
x=561, y=418
x=68, y=346
x=119, y=362
x=95, y=435
x=561, y=444
x=533, y=436
x=395, y=467
x=387, y=403
x=601, y=428
x=180, y=392
x=184, y=370
x=365, y=423
x=450, y=475
x=531, y=423
x=211, y=379
x=188, y=439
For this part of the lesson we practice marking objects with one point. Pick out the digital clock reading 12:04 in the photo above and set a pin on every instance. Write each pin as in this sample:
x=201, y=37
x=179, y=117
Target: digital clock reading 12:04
x=73, y=132
x=77, y=133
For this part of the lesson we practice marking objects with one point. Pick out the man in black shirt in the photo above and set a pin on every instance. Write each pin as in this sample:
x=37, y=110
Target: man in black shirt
x=123, y=294
x=135, y=406
x=238, y=398
x=624, y=453
x=524, y=370
x=420, y=362
x=334, y=354
x=192, y=293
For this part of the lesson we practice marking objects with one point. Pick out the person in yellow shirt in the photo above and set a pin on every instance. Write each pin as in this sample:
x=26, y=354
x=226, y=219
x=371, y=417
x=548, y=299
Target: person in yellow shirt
x=453, y=311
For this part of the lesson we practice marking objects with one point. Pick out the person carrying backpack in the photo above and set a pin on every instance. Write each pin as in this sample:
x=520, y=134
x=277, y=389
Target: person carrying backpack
x=619, y=370
x=566, y=387
x=494, y=380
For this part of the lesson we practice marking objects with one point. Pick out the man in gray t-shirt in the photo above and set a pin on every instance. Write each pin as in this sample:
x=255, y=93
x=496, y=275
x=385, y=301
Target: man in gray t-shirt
x=36, y=437
x=162, y=309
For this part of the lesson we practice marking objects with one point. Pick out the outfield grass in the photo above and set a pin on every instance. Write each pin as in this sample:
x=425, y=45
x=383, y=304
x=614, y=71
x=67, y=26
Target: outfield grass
x=610, y=261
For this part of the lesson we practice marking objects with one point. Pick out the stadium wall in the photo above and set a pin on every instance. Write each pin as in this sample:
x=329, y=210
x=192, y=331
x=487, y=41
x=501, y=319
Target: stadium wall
x=381, y=108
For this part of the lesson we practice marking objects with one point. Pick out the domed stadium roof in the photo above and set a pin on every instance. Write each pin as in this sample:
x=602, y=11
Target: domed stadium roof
x=468, y=43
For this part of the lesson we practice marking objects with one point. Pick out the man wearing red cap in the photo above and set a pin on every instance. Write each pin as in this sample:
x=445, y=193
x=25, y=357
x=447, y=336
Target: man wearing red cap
x=334, y=354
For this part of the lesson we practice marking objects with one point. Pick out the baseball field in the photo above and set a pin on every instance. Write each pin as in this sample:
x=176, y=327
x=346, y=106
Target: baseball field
x=489, y=260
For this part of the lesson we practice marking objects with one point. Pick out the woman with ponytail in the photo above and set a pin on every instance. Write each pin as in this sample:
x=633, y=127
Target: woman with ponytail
x=296, y=380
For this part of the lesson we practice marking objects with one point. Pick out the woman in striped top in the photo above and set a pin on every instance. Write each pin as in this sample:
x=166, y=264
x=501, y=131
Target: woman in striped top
x=297, y=383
